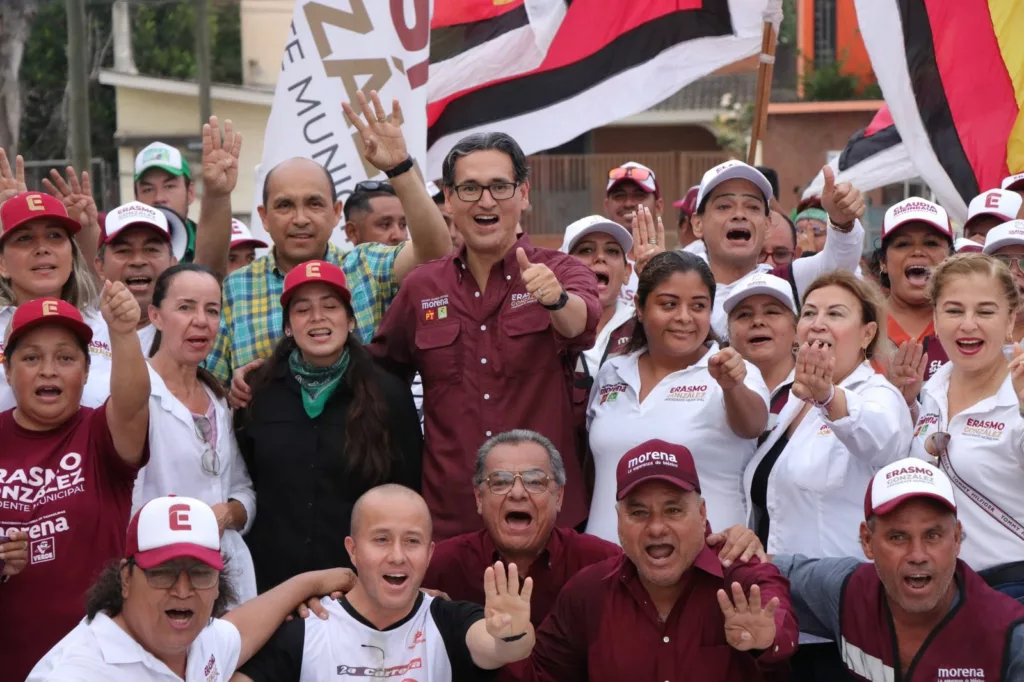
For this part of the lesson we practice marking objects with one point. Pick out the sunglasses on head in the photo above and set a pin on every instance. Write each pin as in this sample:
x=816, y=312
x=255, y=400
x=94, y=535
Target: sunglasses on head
x=633, y=173
x=373, y=186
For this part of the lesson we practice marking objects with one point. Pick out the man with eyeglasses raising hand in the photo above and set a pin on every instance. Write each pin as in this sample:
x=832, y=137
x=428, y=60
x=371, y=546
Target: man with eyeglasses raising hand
x=494, y=330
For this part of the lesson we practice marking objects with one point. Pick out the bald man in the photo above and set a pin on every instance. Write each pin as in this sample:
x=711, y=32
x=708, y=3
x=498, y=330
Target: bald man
x=300, y=209
x=387, y=627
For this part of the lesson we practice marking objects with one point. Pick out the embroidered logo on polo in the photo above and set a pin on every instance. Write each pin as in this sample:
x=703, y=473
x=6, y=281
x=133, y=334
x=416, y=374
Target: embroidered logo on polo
x=687, y=393
x=825, y=430
x=925, y=423
x=983, y=428
x=519, y=300
x=211, y=672
x=961, y=674
x=610, y=392
x=434, y=308
x=43, y=550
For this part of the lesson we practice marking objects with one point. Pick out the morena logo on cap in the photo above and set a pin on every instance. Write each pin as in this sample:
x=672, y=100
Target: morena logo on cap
x=312, y=269
x=646, y=458
x=915, y=206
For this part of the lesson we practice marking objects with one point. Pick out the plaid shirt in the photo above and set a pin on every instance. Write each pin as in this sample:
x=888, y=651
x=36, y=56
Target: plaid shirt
x=251, y=323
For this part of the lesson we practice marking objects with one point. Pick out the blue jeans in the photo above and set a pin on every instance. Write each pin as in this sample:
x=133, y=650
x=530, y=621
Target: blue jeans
x=1014, y=589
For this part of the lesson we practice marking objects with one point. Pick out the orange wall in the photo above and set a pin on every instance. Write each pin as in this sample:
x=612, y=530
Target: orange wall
x=849, y=45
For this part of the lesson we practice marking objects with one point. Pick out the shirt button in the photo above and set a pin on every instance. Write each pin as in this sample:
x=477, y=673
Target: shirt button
x=477, y=294
x=665, y=640
x=310, y=505
x=508, y=276
x=488, y=434
x=483, y=361
x=487, y=396
x=483, y=327
x=308, y=540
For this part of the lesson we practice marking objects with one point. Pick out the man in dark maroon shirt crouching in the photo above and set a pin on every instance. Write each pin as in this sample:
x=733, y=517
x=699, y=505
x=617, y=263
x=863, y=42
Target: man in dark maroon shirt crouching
x=623, y=618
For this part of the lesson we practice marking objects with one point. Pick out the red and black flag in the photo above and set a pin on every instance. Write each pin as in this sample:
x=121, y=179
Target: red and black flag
x=874, y=157
x=546, y=71
x=953, y=77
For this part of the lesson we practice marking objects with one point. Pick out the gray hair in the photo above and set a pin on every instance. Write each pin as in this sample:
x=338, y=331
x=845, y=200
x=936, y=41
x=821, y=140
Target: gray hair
x=480, y=142
x=517, y=437
x=80, y=289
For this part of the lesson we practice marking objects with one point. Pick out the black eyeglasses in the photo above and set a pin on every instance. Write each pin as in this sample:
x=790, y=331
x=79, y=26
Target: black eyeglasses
x=534, y=481
x=373, y=186
x=474, y=192
x=1008, y=261
x=781, y=255
x=165, y=576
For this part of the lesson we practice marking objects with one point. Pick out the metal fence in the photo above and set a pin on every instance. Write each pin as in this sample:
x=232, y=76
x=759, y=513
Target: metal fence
x=566, y=187
x=104, y=182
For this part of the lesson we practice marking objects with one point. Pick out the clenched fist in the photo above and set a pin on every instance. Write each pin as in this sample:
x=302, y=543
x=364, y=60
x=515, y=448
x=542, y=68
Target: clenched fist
x=120, y=310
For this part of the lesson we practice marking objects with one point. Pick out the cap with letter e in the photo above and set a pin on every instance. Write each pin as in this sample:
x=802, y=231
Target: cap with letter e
x=46, y=311
x=997, y=203
x=314, y=271
x=162, y=156
x=656, y=460
x=171, y=527
x=242, y=236
x=903, y=480
x=27, y=206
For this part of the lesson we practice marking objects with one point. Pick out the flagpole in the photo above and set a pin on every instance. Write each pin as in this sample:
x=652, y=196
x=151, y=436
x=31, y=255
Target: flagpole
x=764, y=88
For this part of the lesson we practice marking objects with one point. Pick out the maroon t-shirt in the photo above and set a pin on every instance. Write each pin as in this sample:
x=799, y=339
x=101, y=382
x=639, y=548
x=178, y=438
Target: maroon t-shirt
x=72, y=493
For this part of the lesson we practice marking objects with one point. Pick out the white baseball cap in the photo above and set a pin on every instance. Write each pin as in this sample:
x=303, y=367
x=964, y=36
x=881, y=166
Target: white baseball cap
x=999, y=203
x=903, y=480
x=596, y=223
x=962, y=245
x=163, y=156
x=167, y=528
x=761, y=283
x=1013, y=182
x=917, y=210
x=1010, y=233
x=135, y=214
x=731, y=170
x=241, y=236
x=645, y=178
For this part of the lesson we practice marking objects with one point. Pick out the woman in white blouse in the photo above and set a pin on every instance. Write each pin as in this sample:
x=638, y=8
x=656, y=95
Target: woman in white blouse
x=674, y=384
x=974, y=403
x=191, y=440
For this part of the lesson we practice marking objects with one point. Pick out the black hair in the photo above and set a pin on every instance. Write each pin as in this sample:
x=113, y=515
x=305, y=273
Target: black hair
x=773, y=178
x=479, y=142
x=792, y=227
x=658, y=270
x=105, y=595
x=160, y=289
x=327, y=176
x=368, y=452
x=360, y=198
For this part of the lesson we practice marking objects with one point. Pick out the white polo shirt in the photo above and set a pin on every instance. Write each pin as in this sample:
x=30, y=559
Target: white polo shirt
x=101, y=651
x=593, y=357
x=97, y=386
x=986, y=458
x=688, y=408
x=815, y=494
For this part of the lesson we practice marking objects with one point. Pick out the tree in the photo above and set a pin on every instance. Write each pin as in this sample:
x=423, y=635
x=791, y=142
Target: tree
x=16, y=17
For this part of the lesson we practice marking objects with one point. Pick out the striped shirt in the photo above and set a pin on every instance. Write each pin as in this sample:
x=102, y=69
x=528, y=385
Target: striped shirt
x=251, y=322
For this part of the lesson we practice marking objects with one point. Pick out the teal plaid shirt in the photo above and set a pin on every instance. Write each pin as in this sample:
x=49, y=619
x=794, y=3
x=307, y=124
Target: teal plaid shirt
x=251, y=323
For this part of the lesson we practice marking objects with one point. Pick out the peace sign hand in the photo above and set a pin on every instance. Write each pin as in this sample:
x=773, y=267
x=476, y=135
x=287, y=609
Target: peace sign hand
x=506, y=609
x=648, y=240
x=383, y=142
x=11, y=183
x=220, y=158
x=76, y=196
x=814, y=367
x=907, y=369
x=747, y=625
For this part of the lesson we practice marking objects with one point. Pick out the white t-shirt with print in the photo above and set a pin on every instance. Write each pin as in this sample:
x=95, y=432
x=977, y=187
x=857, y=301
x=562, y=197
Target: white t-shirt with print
x=687, y=408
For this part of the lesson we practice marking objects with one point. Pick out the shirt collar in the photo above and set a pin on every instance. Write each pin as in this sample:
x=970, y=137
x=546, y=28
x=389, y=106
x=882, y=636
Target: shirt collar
x=509, y=263
x=116, y=646
x=331, y=255
x=553, y=549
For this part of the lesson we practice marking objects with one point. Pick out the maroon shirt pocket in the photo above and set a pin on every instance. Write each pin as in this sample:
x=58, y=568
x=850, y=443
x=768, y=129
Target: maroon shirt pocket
x=439, y=353
x=528, y=341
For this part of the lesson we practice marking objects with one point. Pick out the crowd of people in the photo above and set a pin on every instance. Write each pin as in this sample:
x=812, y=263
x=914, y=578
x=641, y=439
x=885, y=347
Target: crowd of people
x=452, y=454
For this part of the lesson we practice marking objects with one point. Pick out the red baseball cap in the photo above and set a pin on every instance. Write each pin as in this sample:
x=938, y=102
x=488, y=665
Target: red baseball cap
x=656, y=460
x=314, y=271
x=44, y=311
x=172, y=527
x=27, y=206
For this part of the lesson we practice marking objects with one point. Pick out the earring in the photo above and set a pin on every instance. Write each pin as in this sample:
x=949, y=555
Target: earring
x=288, y=333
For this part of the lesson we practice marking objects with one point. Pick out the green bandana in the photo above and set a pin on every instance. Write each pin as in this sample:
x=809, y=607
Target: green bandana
x=813, y=214
x=317, y=383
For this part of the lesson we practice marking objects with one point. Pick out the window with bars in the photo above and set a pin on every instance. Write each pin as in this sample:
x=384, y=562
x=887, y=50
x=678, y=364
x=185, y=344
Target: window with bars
x=824, y=32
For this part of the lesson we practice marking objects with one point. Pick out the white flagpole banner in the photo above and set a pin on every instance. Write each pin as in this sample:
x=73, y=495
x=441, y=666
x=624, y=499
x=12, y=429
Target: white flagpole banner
x=335, y=48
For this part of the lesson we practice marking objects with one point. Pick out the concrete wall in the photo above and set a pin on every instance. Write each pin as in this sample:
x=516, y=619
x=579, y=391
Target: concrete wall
x=265, y=29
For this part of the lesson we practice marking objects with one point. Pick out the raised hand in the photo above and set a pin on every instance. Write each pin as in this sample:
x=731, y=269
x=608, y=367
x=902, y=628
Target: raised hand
x=747, y=625
x=540, y=282
x=1017, y=374
x=76, y=196
x=220, y=158
x=506, y=609
x=11, y=183
x=843, y=202
x=119, y=308
x=648, y=240
x=383, y=142
x=727, y=368
x=814, y=366
x=906, y=372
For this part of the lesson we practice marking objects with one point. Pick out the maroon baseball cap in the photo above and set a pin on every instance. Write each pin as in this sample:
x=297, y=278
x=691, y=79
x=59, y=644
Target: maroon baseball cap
x=656, y=460
x=688, y=204
x=28, y=206
x=314, y=271
x=44, y=311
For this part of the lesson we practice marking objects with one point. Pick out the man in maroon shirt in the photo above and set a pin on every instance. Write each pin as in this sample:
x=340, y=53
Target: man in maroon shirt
x=623, y=618
x=494, y=330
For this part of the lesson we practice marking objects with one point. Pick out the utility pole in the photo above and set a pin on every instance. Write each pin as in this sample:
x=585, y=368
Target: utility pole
x=78, y=86
x=203, y=60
